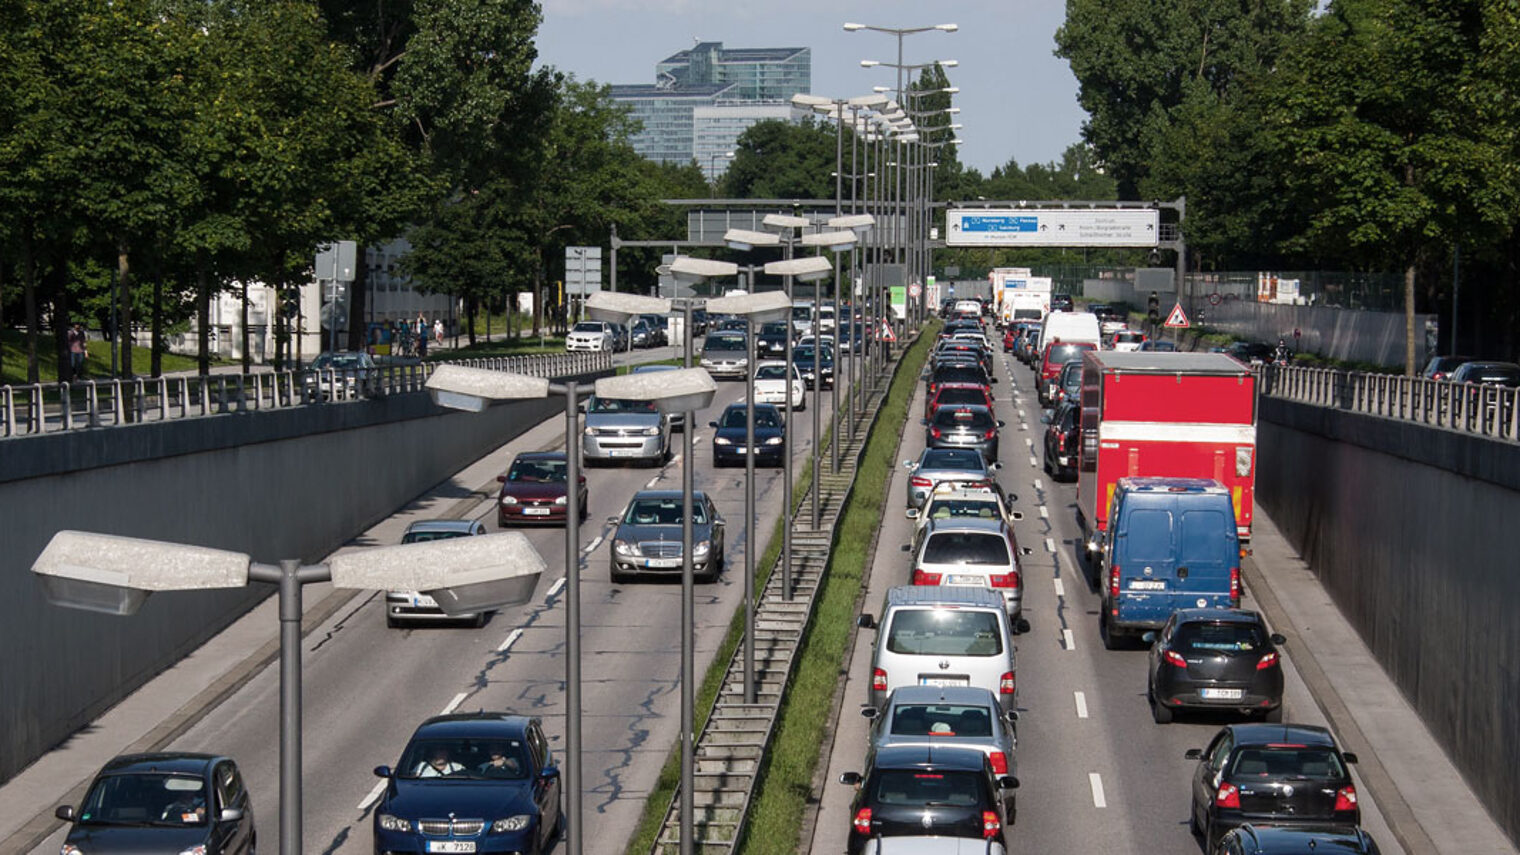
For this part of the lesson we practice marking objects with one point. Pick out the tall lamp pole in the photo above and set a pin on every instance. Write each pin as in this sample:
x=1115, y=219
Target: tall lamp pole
x=712, y=169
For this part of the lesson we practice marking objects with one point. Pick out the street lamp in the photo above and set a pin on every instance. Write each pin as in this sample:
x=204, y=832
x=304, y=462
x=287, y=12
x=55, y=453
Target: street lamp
x=712, y=169
x=809, y=269
x=115, y=575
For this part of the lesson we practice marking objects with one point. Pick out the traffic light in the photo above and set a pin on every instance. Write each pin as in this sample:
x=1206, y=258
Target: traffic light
x=1153, y=308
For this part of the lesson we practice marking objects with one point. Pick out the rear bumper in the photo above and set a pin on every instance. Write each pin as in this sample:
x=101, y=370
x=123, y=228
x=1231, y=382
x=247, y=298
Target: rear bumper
x=1173, y=688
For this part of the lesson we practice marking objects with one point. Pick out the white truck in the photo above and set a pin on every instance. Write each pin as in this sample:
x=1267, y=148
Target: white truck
x=1021, y=297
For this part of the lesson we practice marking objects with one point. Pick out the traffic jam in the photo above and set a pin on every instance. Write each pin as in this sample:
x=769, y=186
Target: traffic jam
x=1161, y=447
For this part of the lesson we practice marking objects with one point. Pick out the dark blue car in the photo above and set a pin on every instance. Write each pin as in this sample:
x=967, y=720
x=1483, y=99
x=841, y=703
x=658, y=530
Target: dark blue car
x=471, y=782
x=770, y=436
x=163, y=802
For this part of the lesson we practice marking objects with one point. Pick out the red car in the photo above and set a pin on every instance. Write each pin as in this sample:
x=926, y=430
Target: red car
x=1008, y=337
x=533, y=490
x=957, y=393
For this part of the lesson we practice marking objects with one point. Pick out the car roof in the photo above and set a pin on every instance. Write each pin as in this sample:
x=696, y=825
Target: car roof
x=465, y=526
x=1285, y=734
x=922, y=755
x=942, y=694
x=1154, y=484
x=739, y=405
x=953, y=491
x=1218, y=616
x=159, y=761
x=540, y=455
x=1332, y=837
x=473, y=724
x=947, y=595
x=1168, y=362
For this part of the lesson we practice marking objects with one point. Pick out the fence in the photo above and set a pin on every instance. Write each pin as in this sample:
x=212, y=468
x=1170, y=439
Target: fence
x=1486, y=411
x=59, y=407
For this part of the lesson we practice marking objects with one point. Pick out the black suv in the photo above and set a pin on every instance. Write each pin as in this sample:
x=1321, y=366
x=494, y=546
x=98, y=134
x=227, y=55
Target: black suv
x=1277, y=774
x=1271, y=840
x=928, y=790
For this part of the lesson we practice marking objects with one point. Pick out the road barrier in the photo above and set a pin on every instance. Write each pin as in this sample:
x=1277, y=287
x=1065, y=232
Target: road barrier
x=1470, y=408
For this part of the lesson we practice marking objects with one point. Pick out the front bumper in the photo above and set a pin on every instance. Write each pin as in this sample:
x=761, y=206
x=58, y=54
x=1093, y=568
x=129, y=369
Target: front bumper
x=530, y=514
x=413, y=606
x=572, y=344
x=608, y=447
x=413, y=843
x=661, y=567
x=769, y=455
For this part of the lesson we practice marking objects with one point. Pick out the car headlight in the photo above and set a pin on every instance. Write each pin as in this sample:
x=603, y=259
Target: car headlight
x=393, y=823
x=511, y=823
x=194, y=850
x=623, y=547
x=651, y=431
x=589, y=431
x=509, y=500
x=722, y=440
x=562, y=500
x=775, y=440
x=70, y=849
x=701, y=549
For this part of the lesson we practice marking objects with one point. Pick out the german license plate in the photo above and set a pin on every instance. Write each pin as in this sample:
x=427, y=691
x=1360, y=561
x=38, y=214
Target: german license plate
x=423, y=601
x=1147, y=585
x=621, y=452
x=1222, y=694
x=536, y=512
x=451, y=846
x=943, y=681
x=966, y=579
x=662, y=562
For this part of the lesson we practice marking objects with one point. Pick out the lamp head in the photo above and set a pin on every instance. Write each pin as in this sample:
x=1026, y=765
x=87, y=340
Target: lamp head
x=112, y=574
x=619, y=306
x=949, y=28
x=850, y=28
x=679, y=391
x=464, y=575
x=460, y=387
x=807, y=269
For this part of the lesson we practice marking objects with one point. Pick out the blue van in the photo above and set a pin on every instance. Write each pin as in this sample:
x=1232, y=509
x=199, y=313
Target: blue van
x=1172, y=544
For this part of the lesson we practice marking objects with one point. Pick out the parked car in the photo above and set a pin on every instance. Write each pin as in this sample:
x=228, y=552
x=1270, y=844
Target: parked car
x=590, y=335
x=968, y=716
x=803, y=357
x=725, y=353
x=341, y=376
x=973, y=553
x=622, y=429
x=1440, y=367
x=1062, y=439
x=732, y=432
x=950, y=791
x=943, y=636
x=1275, y=774
x=410, y=606
x=1213, y=659
x=963, y=426
x=533, y=490
x=471, y=782
x=1278, y=840
x=772, y=386
x=647, y=540
x=947, y=464
x=163, y=802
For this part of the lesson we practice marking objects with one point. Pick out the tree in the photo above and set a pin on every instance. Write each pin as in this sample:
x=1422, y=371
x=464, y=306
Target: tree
x=782, y=160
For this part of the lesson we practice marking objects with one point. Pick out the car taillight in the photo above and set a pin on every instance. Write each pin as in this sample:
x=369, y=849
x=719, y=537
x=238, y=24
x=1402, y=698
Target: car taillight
x=878, y=680
x=920, y=482
x=991, y=825
x=1004, y=580
x=922, y=578
x=935, y=432
x=1060, y=442
x=1345, y=798
x=1228, y=796
x=999, y=763
x=990, y=434
x=1113, y=584
x=863, y=820
x=1268, y=661
x=1235, y=587
x=1007, y=685
x=1174, y=658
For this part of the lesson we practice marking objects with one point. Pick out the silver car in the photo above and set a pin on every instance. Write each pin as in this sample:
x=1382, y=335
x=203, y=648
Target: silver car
x=967, y=716
x=725, y=354
x=625, y=430
x=943, y=637
x=677, y=421
x=964, y=465
x=414, y=605
x=648, y=537
x=976, y=553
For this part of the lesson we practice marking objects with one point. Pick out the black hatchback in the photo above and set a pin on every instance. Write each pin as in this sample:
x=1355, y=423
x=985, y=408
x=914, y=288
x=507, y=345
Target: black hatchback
x=1272, y=774
x=913, y=790
x=1216, y=659
x=163, y=802
x=1272, y=840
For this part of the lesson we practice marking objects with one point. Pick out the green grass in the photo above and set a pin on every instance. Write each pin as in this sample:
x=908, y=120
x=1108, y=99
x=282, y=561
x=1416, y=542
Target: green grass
x=777, y=811
x=483, y=349
x=98, y=366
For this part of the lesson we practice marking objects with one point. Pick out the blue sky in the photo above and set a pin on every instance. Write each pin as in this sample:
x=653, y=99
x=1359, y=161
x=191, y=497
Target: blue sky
x=1017, y=100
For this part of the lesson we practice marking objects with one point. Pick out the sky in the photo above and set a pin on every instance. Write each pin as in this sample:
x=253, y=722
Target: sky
x=1018, y=100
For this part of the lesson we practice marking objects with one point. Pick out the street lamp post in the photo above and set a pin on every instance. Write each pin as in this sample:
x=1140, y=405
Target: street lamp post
x=712, y=169
x=115, y=575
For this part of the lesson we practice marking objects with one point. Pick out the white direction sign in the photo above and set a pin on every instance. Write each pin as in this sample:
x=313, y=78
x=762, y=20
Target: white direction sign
x=1053, y=227
x=583, y=270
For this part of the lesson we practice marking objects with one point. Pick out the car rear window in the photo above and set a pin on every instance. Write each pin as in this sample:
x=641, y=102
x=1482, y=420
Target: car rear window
x=941, y=720
x=958, y=373
x=913, y=787
x=1060, y=353
x=961, y=396
x=724, y=342
x=942, y=509
x=952, y=417
x=949, y=458
x=1129, y=336
x=966, y=547
x=1218, y=639
x=770, y=372
x=945, y=632
x=1276, y=763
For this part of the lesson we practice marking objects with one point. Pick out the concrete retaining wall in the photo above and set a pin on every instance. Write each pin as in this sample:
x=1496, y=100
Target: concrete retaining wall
x=1351, y=334
x=1407, y=527
x=292, y=483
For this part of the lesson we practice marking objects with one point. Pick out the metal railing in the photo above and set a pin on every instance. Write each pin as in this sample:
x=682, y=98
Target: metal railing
x=1486, y=411
x=42, y=408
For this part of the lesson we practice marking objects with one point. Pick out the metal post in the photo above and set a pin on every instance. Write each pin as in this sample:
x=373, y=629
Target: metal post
x=749, y=516
x=573, y=622
x=842, y=325
x=786, y=453
x=818, y=393
x=290, y=707
x=688, y=618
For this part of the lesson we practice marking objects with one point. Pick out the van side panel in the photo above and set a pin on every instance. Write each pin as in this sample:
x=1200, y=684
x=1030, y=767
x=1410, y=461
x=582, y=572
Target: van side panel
x=1158, y=398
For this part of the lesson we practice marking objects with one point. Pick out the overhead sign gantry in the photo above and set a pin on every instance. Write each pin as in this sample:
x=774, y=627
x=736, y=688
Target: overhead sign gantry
x=1064, y=227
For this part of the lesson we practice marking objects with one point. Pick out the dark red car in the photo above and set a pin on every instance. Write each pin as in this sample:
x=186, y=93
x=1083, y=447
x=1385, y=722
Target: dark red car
x=533, y=490
x=957, y=393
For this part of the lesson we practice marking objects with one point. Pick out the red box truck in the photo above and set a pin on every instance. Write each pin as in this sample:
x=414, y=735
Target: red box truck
x=1173, y=415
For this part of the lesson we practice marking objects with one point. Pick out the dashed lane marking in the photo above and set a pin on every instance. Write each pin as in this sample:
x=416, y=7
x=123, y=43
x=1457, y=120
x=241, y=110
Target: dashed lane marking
x=1050, y=545
x=1029, y=441
x=517, y=633
x=1032, y=462
x=374, y=796
x=454, y=704
x=1071, y=640
x=1060, y=587
x=595, y=542
x=1096, y=781
x=1038, y=484
x=649, y=485
x=559, y=585
x=1044, y=512
x=1081, y=704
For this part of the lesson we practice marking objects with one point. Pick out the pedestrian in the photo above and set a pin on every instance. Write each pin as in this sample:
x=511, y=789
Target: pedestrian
x=78, y=350
x=438, y=331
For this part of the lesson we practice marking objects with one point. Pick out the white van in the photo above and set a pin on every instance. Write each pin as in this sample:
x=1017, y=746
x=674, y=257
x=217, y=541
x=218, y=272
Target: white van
x=1070, y=328
x=943, y=636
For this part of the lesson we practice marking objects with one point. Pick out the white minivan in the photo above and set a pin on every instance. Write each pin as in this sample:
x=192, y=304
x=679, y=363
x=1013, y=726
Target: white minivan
x=943, y=636
x=1070, y=328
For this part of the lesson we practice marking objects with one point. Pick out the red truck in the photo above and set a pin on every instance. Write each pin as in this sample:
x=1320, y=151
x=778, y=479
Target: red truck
x=1182, y=415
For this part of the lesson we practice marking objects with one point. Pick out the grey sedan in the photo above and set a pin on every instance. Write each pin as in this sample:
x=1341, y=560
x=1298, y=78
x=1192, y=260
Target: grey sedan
x=947, y=464
x=648, y=537
x=967, y=716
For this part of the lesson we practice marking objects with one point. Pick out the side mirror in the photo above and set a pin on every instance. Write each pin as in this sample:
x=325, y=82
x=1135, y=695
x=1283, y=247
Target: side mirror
x=911, y=513
x=64, y=812
x=232, y=814
x=1045, y=417
x=1012, y=497
x=851, y=778
x=1016, y=515
x=924, y=422
x=908, y=464
x=1194, y=753
x=1012, y=716
x=501, y=479
x=1349, y=756
x=1149, y=637
x=718, y=521
x=996, y=465
x=613, y=520
x=1278, y=639
x=383, y=772
x=865, y=621
x=1001, y=423
x=1008, y=782
x=712, y=424
x=870, y=712
x=549, y=773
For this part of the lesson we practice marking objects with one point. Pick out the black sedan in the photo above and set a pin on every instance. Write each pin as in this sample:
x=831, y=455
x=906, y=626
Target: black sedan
x=802, y=357
x=943, y=791
x=1061, y=438
x=1216, y=659
x=491, y=770
x=163, y=802
x=963, y=426
x=1272, y=840
x=729, y=446
x=771, y=341
x=1274, y=774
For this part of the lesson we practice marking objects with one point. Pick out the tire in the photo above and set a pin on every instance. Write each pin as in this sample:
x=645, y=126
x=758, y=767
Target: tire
x=583, y=513
x=481, y=618
x=1111, y=639
x=1047, y=467
x=1193, y=821
x=1273, y=716
x=617, y=577
x=1160, y=713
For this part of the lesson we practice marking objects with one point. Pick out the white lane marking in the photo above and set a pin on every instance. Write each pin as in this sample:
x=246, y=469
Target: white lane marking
x=1044, y=512
x=1097, y=790
x=1071, y=640
x=696, y=439
x=559, y=585
x=1060, y=589
x=595, y=542
x=1021, y=415
x=652, y=481
x=1029, y=441
x=1033, y=462
x=454, y=704
x=517, y=633
x=1038, y=484
x=1023, y=426
x=374, y=796
x=1081, y=704
x=675, y=460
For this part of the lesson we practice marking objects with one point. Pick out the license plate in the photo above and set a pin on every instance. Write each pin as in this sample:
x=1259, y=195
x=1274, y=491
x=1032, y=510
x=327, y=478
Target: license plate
x=966, y=579
x=536, y=512
x=662, y=562
x=451, y=846
x=423, y=601
x=623, y=452
x=1146, y=585
x=1222, y=694
x=943, y=681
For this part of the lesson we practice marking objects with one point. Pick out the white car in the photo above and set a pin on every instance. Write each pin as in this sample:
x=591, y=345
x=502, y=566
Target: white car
x=950, y=500
x=771, y=385
x=590, y=335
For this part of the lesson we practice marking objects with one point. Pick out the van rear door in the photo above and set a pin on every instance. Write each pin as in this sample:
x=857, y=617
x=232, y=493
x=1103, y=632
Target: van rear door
x=1207, y=550
x=1145, y=557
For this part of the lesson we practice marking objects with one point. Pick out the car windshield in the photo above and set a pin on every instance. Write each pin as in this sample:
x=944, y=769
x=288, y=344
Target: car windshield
x=146, y=798
x=802, y=313
x=1218, y=639
x=945, y=632
x=537, y=471
x=966, y=419
x=337, y=361
x=771, y=372
x=425, y=536
x=464, y=757
x=588, y=326
x=914, y=787
x=620, y=405
x=764, y=418
x=952, y=458
x=982, y=509
x=805, y=355
x=723, y=342
x=966, y=547
x=941, y=720
x=662, y=512
x=774, y=328
x=1279, y=762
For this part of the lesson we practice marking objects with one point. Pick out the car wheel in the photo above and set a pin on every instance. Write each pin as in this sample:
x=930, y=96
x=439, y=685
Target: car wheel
x=1111, y=639
x=618, y=577
x=1047, y=465
x=583, y=513
x=1273, y=716
x=1160, y=713
x=480, y=619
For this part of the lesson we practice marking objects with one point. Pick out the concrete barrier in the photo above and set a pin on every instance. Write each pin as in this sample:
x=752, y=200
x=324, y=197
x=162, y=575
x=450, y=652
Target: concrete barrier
x=293, y=483
x=1350, y=334
x=1406, y=527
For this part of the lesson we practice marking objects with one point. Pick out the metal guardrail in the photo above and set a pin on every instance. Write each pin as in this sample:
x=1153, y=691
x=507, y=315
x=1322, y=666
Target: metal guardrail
x=43, y=408
x=1486, y=411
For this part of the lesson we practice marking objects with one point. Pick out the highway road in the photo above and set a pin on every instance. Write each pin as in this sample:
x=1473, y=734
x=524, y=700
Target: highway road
x=367, y=687
x=1096, y=774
